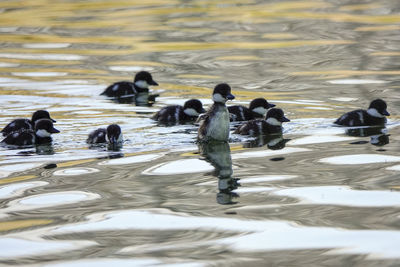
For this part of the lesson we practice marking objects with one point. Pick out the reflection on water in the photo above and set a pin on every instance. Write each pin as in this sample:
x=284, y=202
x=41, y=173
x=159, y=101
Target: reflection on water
x=317, y=194
x=219, y=155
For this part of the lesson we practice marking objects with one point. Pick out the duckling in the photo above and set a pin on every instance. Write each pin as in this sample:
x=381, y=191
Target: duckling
x=271, y=125
x=257, y=109
x=178, y=114
x=41, y=135
x=26, y=124
x=374, y=115
x=214, y=125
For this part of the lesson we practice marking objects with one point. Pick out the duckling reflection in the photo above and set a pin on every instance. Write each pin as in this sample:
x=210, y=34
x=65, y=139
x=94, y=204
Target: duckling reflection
x=143, y=99
x=219, y=155
x=378, y=135
x=273, y=141
x=45, y=149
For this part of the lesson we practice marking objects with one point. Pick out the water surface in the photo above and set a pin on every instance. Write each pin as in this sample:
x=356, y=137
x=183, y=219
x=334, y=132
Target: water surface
x=318, y=195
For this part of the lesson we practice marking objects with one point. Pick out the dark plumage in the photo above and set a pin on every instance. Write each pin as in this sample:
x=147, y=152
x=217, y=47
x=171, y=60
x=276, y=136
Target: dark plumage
x=374, y=115
x=257, y=109
x=26, y=124
x=140, y=84
x=214, y=125
x=41, y=135
x=178, y=114
x=271, y=125
x=112, y=134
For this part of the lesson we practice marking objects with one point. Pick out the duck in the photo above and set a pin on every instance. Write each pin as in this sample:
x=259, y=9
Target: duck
x=214, y=124
x=271, y=125
x=190, y=111
x=138, y=88
x=374, y=115
x=26, y=124
x=40, y=135
x=257, y=109
x=112, y=135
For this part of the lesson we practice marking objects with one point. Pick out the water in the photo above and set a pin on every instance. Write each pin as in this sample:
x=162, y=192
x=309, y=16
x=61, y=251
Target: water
x=314, y=196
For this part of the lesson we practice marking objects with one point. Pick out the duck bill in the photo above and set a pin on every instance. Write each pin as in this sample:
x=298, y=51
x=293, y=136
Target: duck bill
x=284, y=119
x=54, y=130
x=203, y=111
x=230, y=97
x=271, y=105
x=386, y=113
x=152, y=82
x=53, y=120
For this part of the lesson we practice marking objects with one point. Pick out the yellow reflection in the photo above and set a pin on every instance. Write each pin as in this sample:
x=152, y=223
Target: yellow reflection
x=279, y=36
x=389, y=54
x=17, y=179
x=378, y=28
x=13, y=225
x=74, y=163
x=360, y=7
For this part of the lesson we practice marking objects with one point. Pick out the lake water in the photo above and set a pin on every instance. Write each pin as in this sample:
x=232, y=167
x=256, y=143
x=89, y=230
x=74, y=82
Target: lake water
x=317, y=196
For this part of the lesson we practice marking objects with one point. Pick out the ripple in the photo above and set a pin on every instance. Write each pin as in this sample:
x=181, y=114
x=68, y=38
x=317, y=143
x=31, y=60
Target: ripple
x=317, y=139
x=255, y=235
x=132, y=160
x=48, y=200
x=268, y=153
x=105, y=262
x=75, y=171
x=46, y=45
x=130, y=68
x=266, y=178
x=40, y=74
x=180, y=167
x=17, y=247
x=359, y=159
x=356, y=81
x=394, y=168
x=6, y=170
x=13, y=190
x=42, y=56
x=342, y=195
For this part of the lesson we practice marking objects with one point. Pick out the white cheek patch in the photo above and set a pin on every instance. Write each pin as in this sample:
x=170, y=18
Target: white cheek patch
x=142, y=84
x=191, y=112
x=273, y=121
x=374, y=113
x=260, y=110
x=43, y=133
x=218, y=98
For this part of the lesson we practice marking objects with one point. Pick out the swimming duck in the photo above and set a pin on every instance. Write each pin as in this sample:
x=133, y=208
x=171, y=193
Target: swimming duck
x=257, y=109
x=214, y=125
x=178, y=114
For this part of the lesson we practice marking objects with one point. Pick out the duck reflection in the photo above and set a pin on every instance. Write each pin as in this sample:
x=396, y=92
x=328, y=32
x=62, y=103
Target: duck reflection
x=45, y=149
x=378, y=135
x=272, y=141
x=219, y=155
x=143, y=99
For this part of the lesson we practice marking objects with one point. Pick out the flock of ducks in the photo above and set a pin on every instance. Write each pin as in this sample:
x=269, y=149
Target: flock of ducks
x=260, y=118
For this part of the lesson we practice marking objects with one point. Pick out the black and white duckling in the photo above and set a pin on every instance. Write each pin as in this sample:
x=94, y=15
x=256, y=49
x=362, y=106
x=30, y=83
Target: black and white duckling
x=40, y=135
x=141, y=83
x=112, y=135
x=257, y=109
x=374, y=115
x=271, y=125
x=26, y=124
x=178, y=114
x=214, y=125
